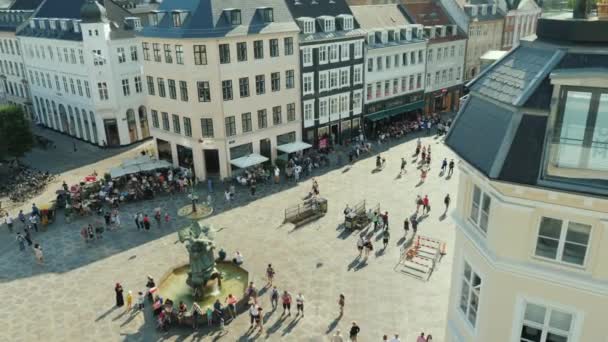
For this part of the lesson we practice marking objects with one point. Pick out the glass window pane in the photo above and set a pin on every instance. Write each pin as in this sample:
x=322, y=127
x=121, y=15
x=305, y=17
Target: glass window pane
x=574, y=254
x=572, y=130
x=550, y=227
x=578, y=233
x=556, y=338
x=535, y=313
x=464, y=297
x=530, y=334
x=546, y=248
x=560, y=320
x=598, y=156
x=476, y=281
x=467, y=271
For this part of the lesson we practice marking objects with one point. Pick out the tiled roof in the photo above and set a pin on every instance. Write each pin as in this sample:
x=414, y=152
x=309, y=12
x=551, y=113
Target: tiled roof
x=379, y=16
x=25, y=4
x=513, y=78
x=318, y=36
x=427, y=13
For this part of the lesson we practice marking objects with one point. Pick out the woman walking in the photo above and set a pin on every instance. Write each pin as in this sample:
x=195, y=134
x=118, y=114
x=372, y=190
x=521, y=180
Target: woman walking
x=129, y=300
x=286, y=303
x=341, y=302
x=38, y=253
x=120, y=301
x=20, y=241
x=270, y=274
x=300, y=304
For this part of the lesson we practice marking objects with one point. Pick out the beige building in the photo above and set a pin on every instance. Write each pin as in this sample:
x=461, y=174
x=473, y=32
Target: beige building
x=223, y=92
x=485, y=30
x=531, y=256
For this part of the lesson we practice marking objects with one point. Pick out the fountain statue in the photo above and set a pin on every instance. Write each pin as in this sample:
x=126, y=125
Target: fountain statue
x=200, y=246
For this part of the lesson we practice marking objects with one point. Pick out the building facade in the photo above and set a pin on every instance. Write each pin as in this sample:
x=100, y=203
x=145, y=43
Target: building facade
x=520, y=21
x=331, y=64
x=14, y=85
x=222, y=88
x=394, y=64
x=83, y=67
x=445, y=56
x=531, y=237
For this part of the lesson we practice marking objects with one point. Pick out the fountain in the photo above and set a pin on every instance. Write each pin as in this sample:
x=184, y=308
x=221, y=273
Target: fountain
x=195, y=210
x=203, y=279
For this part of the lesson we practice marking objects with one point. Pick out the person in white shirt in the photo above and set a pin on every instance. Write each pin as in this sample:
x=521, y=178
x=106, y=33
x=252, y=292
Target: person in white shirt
x=9, y=222
x=395, y=339
x=300, y=304
x=277, y=173
x=238, y=258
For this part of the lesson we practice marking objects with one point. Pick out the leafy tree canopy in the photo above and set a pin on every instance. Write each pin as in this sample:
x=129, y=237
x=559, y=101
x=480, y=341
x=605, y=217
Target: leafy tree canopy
x=15, y=133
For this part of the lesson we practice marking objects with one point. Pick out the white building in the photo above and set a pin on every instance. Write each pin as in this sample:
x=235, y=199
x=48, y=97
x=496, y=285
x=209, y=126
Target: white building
x=223, y=91
x=520, y=20
x=83, y=65
x=394, y=63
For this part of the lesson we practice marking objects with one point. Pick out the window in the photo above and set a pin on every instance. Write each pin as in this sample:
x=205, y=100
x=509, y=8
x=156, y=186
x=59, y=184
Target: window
x=72, y=55
x=155, y=122
x=183, y=91
x=262, y=119
x=308, y=111
x=458, y=73
x=563, y=241
x=308, y=26
x=343, y=104
x=378, y=89
x=323, y=109
x=156, y=48
x=274, y=48
x=387, y=88
x=544, y=324
x=469, y=294
x=329, y=25
x=244, y=87
x=276, y=115
x=379, y=63
x=333, y=106
x=428, y=79
x=103, y=90
x=358, y=50
x=121, y=55
x=246, y=122
x=241, y=51
x=291, y=112
x=146, y=49
x=369, y=92
x=333, y=79
x=347, y=23
x=79, y=84
x=227, y=90
x=258, y=49
x=230, y=126
x=357, y=102
x=418, y=85
x=260, y=85
x=126, y=90
x=444, y=76
x=323, y=81
x=388, y=62
x=200, y=55
x=307, y=81
x=451, y=74
x=204, y=92
x=404, y=83
x=439, y=50
x=480, y=209
x=168, y=53
x=333, y=52
x=395, y=86
x=452, y=51
x=288, y=46
x=437, y=76
x=429, y=58
x=161, y=87
x=420, y=57
x=150, y=80
x=138, y=86
x=344, y=77
x=306, y=56
x=267, y=15
x=235, y=17
x=370, y=64
x=344, y=51
x=207, y=128
x=176, y=127
x=275, y=81
x=323, y=54
x=133, y=50
x=179, y=54
x=177, y=19
x=86, y=88
x=289, y=79
x=224, y=53
x=172, y=89
x=187, y=127
x=165, y=117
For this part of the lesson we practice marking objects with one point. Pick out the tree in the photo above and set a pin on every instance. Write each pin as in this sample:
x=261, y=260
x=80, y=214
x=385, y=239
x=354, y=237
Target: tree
x=15, y=133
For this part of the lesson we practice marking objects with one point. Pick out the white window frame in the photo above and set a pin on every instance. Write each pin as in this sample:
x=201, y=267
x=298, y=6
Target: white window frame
x=344, y=73
x=344, y=52
x=334, y=75
x=343, y=105
x=323, y=54
x=308, y=77
x=348, y=23
x=561, y=242
x=334, y=54
x=323, y=81
x=358, y=49
x=357, y=100
x=358, y=74
x=306, y=56
x=545, y=327
x=309, y=115
x=475, y=217
x=323, y=109
x=329, y=25
x=467, y=287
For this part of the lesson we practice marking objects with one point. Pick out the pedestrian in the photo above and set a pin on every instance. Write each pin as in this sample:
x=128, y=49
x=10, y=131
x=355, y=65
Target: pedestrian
x=38, y=254
x=167, y=218
x=196, y=312
x=337, y=337
x=251, y=292
x=150, y=284
x=270, y=274
x=446, y=201
x=277, y=173
x=403, y=164
x=369, y=247
x=146, y=222
x=396, y=338
x=286, y=299
x=451, y=168
x=209, y=314
x=354, y=331
x=300, y=303
x=35, y=210
x=84, y=234
x=140, y=300
x=259, y=322
x=231, y=301
x=253, y=312
x=426, y=205
x=252, y=187
x=136, y=219
x=21, y=241
x=227, y=196
x=120, y=301
x=414, y=225
x=90, y=232
x=385, y=338
x=140, y=219
x=360, y=244
x=274, y=298
x=129, y=300
x=157, y=216
x=385, y=237
x=444, y=164
x=418, y=203
x=406, y=227
x=341, y=302
x=423, y=172
x=210, y=185
x=107, y=217
x=421, y=338
x=9, y=222
x=34, y=221
x=28, y=235
x=21, y=217
x=116, y=219
x=385, y=220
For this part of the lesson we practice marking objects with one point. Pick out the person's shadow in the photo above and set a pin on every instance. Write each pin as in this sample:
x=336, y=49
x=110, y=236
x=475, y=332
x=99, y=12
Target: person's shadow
x=333, y=324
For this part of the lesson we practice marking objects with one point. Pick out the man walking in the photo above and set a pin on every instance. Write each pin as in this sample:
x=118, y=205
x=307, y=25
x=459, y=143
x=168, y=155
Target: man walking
x=34, y=221
x=136, y=219
x=426, y=205
x=354, y=331
x=451, y=168
x=403, y=164
x=21, y=217
x=446, y=201
x=444, y=164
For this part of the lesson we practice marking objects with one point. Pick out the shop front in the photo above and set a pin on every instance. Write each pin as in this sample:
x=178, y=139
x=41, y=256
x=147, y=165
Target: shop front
x=443, y=100
x=400, y=108
x=335, y=132
x=164, y=150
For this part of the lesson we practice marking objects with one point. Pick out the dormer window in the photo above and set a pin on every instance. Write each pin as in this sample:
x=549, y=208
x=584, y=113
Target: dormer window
x=76, y=24
x=267, y=15
x=329, y=25
x=345, y=21
x=307, y=25
x=41, y=24
x=371, y=39
x=32, y=24
x=177, y=19
x=155, y=18
x=391, y=36
x=53, y=24
x=64, y=25
x=235, y=17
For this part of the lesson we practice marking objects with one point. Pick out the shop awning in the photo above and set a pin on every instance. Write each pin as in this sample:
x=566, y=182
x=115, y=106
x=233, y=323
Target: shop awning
x=293, y=147
x=395, y=111
x=249, y=160
x=142, y=163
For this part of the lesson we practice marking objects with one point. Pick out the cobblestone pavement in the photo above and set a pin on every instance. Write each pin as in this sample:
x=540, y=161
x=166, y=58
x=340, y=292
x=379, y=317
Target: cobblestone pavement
x=71, y=297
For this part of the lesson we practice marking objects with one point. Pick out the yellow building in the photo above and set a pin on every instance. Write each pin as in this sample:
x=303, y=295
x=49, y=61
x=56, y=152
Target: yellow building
x=531, y=255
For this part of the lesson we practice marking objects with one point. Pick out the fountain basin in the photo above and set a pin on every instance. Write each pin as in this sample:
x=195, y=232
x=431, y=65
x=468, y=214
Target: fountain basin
x=234, y=280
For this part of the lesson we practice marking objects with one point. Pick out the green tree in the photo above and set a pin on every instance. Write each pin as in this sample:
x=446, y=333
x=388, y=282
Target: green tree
x=15, y=133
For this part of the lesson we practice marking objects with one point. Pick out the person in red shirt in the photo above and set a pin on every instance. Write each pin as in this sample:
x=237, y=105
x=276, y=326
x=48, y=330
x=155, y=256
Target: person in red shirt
x=286, y=298
x=426, y=204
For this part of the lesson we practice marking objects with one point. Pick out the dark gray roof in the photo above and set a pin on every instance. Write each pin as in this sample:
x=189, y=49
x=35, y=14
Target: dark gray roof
x=206, y=19
x=313, y=9
x=512, y=79
x=24, y=5
x=479, y=131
